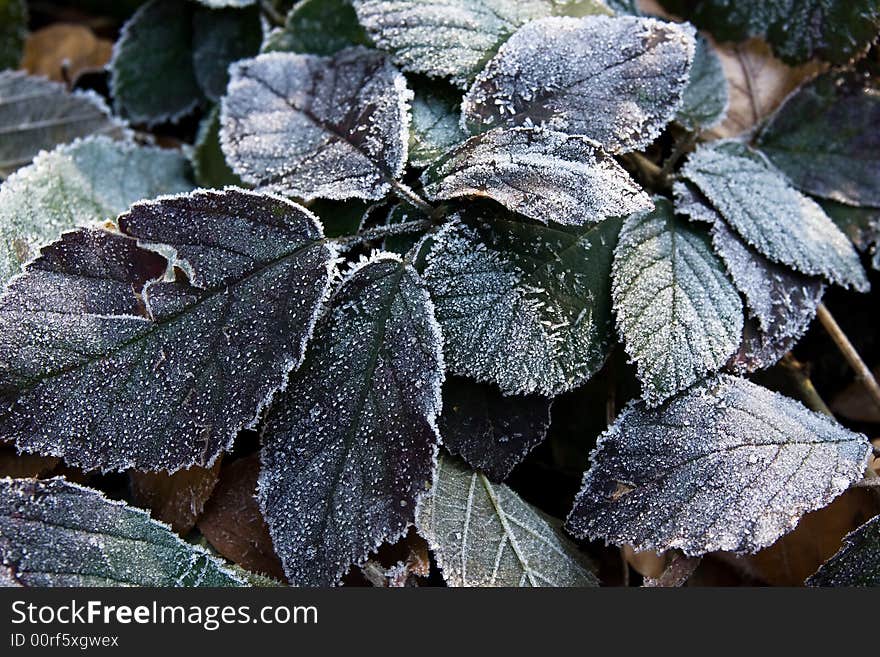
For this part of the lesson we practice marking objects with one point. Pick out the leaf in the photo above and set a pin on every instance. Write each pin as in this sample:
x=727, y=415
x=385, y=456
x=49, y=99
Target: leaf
x=177, y=499
x=219, y=38
x=220, y=4
x=782, y=224
x=63, y=52
x=435, y=125
x=13, y=30
x=857, y=563
x=209, y=163
x=402, y=243
x=155, y=44
x=54, y=533
x=351, y=445
x=400, y=564
x=486, y=535
x=560, y=73
x=705, y=99
x=799, y=30
x=727, y=465
x=341, y=218
x=318, y=27
x=454, y=38
x=861, y=225
x=86, y=182
x=173, y=369
x=546, y=176
x=678, y=313
x=233, y=523
x=317, y=127
x=492, y=432
x=824, y=138
x=522, y=305
x=36, y=114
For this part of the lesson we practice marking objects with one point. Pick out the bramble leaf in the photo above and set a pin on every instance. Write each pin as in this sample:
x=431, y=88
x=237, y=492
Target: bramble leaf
x=486, y=535
x=727, y=465
x=209, y=163
x=616, y=80
x=858, y=561
x=219, y=38
x=861, y=225
x=435, y=125
x=351, y=445
x=318, y=27
x=317, y=127
x=544, y=175
x=523, y=305
x=13, y=31
x=110, y=366
x=705, y=99
x=678, y=313
x=55, y=533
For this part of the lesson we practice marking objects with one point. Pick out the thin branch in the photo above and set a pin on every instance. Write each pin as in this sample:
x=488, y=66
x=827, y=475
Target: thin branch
x=648, y=169
x=682, y=146
x=379, y=232
x=407, y=194
x=271, y=13
x=809, y=394
x=863, y=373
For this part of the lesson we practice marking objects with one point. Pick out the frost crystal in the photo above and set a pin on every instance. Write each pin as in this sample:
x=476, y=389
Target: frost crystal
x=523, y=305
x=678, y=313
x=728, y=465
x=454, y=38
x=486, y=535
x=351, y=445
x=780, y=222
x=616, y=80
x=858, y=561
x=543, y=175
x=86, y=182
x=54, y=533
x=110, y=366
x=317, y=127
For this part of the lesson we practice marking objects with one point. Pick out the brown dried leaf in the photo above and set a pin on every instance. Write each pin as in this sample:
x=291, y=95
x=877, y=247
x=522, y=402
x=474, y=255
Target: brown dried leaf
x=677, y=573
x=19, y=466
x=177, y=499
x=647, y=564
x=399, y=564
x=62, y=51
x=233, y=524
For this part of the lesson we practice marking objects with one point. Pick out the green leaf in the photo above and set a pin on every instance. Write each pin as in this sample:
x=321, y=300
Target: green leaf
x=523, y=305
x=318, y=27
x=209, y=163
x=563, y=74
x=153, y=79
x=341, y=217
x=861, y=225
x=220, y=4
x=825, y=139
x=55, y=533
x=219, y=38
x=705, y=100
x=544, y=175
x=36, y=114
x=86, y=182
x=679, y=314
x=435, y=124
x=782, y=224
x=486, y=535
x=798, y=30
x=13, y=30
x=858, y=561
x=109, y=364
x=317, y=127
x=350, y=447
x=727, y=465
x=455, y=38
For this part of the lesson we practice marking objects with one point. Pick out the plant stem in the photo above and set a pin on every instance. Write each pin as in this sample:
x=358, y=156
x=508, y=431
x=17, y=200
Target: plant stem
x=403, y=228
x=682, y=146
x=863, y=373
x=805, y=386
x=407, y=194
x=271, y=13
x=648, y=169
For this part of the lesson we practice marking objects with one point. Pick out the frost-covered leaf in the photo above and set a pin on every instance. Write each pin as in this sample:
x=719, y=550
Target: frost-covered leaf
x=798, y=30
x=13, y=30
x=86, y=182
x=678, y=313
x=484, y=534
x=491, y=431
x=156, y=45
x=209, y=163
x=308, y=126
x=858, y=561
x=55, y=533
x=825, y=139
x=705, y=98
x=523, y=305
x=727, y=465
x=780, y=222
x=219, y=38
x=455, y=38
x=109, y=366
x=350, y=446
x=435, y=125
x=616, y=80
x=690, y=203
x=861, y=225
x=318, y=27
x=36, y=114
x=541, y=174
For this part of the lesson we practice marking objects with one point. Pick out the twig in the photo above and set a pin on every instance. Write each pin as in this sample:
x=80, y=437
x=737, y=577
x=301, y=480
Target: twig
x=379, y=232
x=682, y=146
x=648, y=169
x=271, y=13
x=863, y=373
x=677, y=573
x=407, y=194
x=805, y=386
